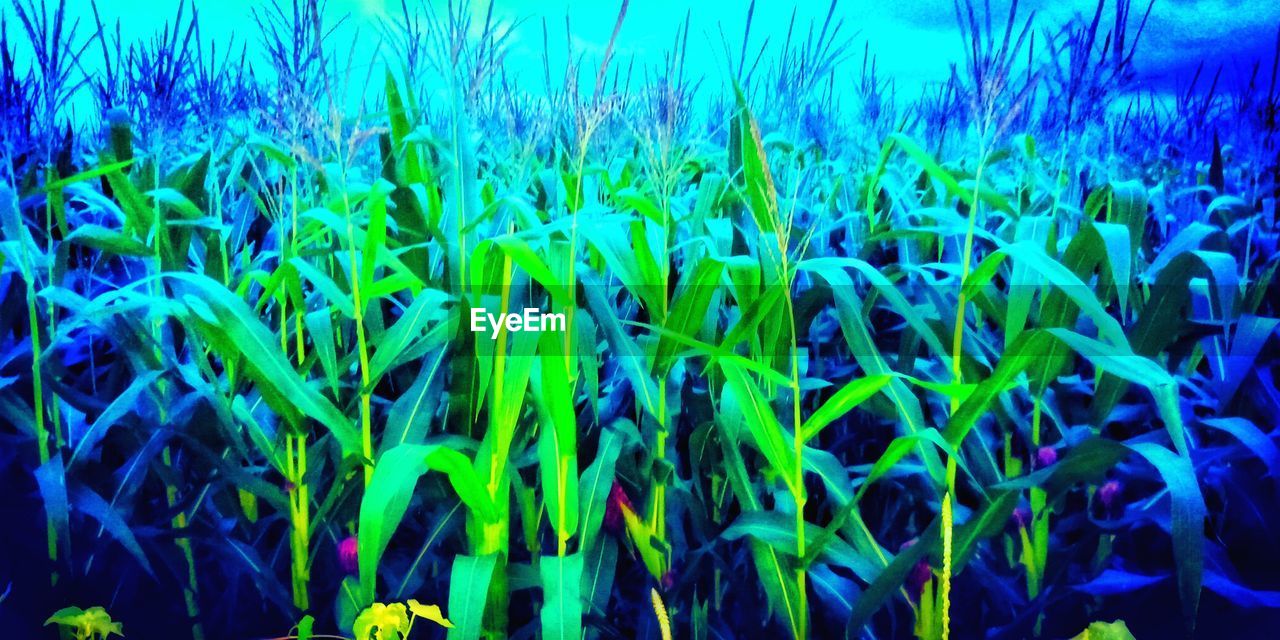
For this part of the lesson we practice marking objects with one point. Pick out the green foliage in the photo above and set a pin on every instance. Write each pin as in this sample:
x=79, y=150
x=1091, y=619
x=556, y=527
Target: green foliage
x=382, y=622
x=93, y=623
x=793, y=382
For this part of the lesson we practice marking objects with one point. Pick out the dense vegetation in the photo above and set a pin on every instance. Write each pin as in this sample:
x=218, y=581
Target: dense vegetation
x=997, y=360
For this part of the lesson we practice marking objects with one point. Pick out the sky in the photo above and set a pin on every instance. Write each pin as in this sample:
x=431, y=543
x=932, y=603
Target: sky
x=915, y=42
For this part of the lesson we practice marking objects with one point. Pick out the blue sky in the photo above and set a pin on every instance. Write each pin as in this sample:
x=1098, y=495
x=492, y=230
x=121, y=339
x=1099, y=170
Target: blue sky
x=914, y=41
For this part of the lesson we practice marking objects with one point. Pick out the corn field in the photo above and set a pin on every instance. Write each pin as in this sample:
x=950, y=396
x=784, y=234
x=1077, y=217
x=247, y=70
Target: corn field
x=299, y=346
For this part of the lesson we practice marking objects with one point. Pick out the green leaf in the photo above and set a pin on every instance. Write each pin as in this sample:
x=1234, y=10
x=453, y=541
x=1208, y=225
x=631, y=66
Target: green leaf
x=862, y=345
x=742, y=395
x=177, y=201
x=689, y=309
x=898, y=448
x=138, y=216
x=387, y=497
x=841, y=402
x=429, y=612
x=1031, y=349
x=232, y=327
x=937, y=172
x=410, y=415
x=1187, y=515
x=597, y=480
x=1247, y=342
x=989, y=521
x=108, y=241
x=889, y=580
x=553, y=392
x=1165, y=315
x=632, y=198
x=757, y=180
x=1253, y=438
x=777, y=579
x=561, y=611
x=608, y=236
x=375, y=237
x=88, y=174
x=600, y=565
x=523, y=255
x=622, y=347
x=305, y=626
x=1069, y=284
x=85, y=501
x=468, y=590
x=275, y=152
x=382, y=622
x=832, y=270
x=333, y=294
x=93, y=622
x=1022, y=287
x=51, y=480
x=1086, y=462
x=320, y=328
x=778, y=530
x=391, y=347
x=1117, y=630
x=1117, y=360
x=1128, y=207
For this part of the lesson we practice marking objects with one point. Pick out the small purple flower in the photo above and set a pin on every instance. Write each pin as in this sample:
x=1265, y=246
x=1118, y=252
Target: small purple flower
x=348, y=555
x=668, y=580
x=918, y=578
x=1108, y=492
x=1022, y=515
x=618, y=500
x=1046, y=456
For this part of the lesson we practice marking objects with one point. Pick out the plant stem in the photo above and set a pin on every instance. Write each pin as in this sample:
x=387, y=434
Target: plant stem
x=42, y=434
x=957, y=339
x=957, y=346
x=495, y=535
x=50, y=209
x=797, y=481
x=299, y=517
x=179, y=522
x=37, y=392
x=366, y=421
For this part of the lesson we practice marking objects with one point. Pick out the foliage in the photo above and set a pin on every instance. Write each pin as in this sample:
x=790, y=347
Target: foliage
x=93, y=623
x=980, y=368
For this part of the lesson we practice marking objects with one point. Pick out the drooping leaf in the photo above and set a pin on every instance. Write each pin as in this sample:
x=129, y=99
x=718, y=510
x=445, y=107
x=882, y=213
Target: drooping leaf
x=429, y=612
x=1187, y=522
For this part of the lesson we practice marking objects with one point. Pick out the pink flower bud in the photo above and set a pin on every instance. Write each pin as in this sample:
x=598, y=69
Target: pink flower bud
x=1108, y=491
x=1022, y=515
x=348, y=558
x=918, y=578
x=1046, y=456
x=618, y=500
